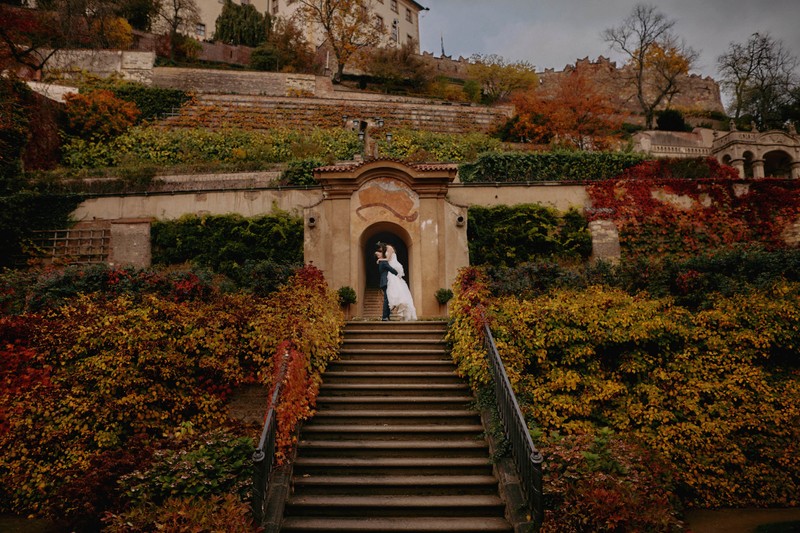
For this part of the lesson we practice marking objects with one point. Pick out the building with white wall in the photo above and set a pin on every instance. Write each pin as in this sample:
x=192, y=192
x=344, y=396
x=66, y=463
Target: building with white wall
x=400, y=18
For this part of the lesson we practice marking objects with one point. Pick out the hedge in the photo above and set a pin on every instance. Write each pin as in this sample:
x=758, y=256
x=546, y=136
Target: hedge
x=513, y=167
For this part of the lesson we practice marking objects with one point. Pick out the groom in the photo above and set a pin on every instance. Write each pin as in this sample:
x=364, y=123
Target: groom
x=383, y=269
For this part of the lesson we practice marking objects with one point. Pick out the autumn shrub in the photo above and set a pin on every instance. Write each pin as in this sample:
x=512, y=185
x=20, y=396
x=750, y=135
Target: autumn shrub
x=126, y=369
x=714, y=391
x=152, y=102
x=98, y=115
x=693, y=282
x=212, y=463
x=306, y=345
x=91, y=491
x=178, y=515
x=603, y=482
x=37, y=289
x=517, y=167
x=507, y=235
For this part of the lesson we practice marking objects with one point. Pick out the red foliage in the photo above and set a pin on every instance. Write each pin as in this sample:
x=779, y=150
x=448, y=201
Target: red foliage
x=298, y=395
x=22, y=368
x=602, y=483
x=684, y=207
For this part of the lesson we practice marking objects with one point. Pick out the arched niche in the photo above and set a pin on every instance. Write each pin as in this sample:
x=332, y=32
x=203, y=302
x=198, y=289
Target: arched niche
x=777, y=164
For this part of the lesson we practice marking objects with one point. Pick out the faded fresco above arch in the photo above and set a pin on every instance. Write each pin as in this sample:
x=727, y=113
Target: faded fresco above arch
x=386, y=198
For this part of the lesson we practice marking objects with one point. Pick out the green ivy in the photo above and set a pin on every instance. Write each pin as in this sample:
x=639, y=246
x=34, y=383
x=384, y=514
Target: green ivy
x=153, y=102
x=24, y=212
x=418, y=145
x=231, y=244
x=547, y=166
x=508, y=235
x=301, y=173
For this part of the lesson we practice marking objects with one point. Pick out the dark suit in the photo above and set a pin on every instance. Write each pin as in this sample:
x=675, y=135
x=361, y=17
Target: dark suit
x=384, y=268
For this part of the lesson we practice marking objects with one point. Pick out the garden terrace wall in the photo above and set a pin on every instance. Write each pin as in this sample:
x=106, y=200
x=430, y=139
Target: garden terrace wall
x=267, y=112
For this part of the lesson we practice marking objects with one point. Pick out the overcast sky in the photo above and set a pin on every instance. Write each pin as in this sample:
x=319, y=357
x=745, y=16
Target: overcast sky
x=554, y=33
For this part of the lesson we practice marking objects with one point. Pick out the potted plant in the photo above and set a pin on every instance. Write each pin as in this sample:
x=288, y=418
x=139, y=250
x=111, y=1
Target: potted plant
x=347, y=297
x=443, y=296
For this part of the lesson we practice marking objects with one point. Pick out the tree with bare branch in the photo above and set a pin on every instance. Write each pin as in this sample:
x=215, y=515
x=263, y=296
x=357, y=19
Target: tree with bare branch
x=348, y=25
x=177, y=16
x=657, y=58
x=760, y=75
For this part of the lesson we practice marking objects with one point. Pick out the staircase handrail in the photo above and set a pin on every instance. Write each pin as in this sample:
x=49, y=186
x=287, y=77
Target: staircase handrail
x=264, y=455
x=527, y=459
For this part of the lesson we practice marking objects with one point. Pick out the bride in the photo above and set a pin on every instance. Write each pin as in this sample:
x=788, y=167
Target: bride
x=397, y=289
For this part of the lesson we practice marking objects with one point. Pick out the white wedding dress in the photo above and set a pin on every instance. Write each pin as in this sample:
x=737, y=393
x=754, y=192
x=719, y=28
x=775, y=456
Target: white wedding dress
x=397, y=291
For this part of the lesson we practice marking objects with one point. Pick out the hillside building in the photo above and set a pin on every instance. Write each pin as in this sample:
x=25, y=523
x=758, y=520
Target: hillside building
x=399, y=18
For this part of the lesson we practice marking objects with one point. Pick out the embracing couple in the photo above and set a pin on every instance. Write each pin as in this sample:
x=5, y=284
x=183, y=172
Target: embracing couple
x=396, y=296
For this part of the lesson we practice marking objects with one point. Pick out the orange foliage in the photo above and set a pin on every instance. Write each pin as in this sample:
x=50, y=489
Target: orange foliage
x=99, y=114
x=576, y=115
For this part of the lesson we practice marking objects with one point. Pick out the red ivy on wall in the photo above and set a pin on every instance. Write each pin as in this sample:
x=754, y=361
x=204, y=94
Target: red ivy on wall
x=685, y=207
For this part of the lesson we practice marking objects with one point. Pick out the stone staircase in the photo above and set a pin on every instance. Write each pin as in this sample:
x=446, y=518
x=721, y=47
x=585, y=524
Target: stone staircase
x=395, y=444
x=373, y=305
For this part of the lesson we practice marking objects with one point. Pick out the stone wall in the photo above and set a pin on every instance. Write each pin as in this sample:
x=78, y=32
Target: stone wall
x=131, y=65
x=230, y=82
x=697, y=94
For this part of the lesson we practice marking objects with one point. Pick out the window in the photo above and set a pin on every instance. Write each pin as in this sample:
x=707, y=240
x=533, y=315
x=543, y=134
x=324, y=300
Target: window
x=274, y=7
x=200, y=30
x=394, y=6
x=410, y=40
x=379, y=22
x=408, y=16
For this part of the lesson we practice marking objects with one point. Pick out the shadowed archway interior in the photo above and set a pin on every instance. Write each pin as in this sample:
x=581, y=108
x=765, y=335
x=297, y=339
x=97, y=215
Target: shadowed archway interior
x=371, y=269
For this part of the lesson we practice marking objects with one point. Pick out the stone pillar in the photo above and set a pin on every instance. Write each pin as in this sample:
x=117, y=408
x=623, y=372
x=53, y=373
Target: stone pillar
x=130, y=243
x=795, y=172
x=738, y=164
x=605, y=241
x=758, y=168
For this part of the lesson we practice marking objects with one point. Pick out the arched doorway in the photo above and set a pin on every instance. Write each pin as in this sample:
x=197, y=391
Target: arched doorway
x=370, y=245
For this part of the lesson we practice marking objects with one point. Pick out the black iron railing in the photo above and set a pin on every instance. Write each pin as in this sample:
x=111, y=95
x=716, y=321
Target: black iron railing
x=527, y=458
x=264, y=456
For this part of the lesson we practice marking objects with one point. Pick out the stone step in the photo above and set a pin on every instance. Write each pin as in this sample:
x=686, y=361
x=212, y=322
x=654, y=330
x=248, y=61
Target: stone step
x=387, y=354
x=396, y=417
x=392, y=432
x=379, y=364
x=392, y=389
x=380, y=525
x=395, y=402
x=394, y=505
x=417, y=485
x=392, y=466
x=435, y=334
x=393, y=448
x=392, y=378
x=408, y=345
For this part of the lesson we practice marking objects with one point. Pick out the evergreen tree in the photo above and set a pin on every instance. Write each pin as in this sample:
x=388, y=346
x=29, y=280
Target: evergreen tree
x=241, y=25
